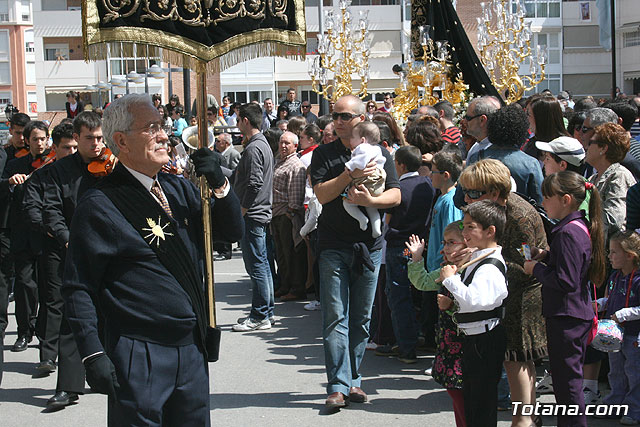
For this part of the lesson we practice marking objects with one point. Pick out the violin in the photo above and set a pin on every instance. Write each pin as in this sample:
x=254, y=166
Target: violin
x=46, y=158
x=170, y=168
x=103, y=164
x=21, y=152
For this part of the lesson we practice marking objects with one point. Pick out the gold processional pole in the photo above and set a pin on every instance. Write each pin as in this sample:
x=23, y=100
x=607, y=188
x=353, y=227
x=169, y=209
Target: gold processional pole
x=205, y=192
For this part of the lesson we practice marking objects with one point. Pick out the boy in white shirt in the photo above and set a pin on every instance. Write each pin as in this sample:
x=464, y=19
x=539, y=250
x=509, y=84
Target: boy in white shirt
x=365, y=148
x=479, y=293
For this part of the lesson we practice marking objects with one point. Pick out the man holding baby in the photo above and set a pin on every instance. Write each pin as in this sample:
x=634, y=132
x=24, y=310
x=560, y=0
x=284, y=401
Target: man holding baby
x=349, y=257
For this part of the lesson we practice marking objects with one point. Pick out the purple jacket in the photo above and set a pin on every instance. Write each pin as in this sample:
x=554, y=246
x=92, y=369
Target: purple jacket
x=565, y=287
x=617, y=287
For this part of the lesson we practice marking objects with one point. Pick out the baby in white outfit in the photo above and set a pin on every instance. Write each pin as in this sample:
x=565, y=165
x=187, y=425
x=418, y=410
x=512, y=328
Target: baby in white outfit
x=365, y=149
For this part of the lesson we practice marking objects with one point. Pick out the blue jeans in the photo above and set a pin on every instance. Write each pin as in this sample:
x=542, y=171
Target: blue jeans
x=346, y=299
x=398, y=290
x=624, y=377
x=254, y=254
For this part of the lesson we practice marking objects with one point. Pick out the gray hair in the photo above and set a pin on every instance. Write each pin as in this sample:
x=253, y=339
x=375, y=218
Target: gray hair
x=118, y=116
x=486, y=105
x=291, y=134
x=600, y=116
x=225, y=137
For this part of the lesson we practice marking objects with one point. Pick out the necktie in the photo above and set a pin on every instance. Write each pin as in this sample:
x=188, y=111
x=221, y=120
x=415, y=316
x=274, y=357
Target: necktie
x=157, y=191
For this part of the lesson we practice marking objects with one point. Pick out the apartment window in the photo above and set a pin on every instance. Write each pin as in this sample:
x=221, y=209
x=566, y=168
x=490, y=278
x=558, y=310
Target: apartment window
x=5, y=72
x=259, y=95
x=309, y=95
x=4, y=10
x=56, y=52
x=540, y=8
x=240, y=97
x=25, y=9
x=139, y=64
x=29, y=45
x=30, y=73
x=5, y=98
x=631, y=39
x=552, y=42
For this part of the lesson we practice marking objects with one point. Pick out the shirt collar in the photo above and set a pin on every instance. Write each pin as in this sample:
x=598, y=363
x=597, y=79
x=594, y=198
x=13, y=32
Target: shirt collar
x=409, y=175
x=146, y=181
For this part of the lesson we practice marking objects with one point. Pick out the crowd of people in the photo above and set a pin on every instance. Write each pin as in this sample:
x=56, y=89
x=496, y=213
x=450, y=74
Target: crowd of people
x=491, y=243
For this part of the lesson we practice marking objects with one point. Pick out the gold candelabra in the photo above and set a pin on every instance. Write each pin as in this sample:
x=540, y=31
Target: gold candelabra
x=505, y=44
x=342, y=51
x=434, y=72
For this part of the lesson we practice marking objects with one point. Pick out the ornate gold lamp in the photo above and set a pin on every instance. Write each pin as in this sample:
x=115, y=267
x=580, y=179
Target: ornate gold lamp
x=420, y=80
x=504, y=41
x=343, y=50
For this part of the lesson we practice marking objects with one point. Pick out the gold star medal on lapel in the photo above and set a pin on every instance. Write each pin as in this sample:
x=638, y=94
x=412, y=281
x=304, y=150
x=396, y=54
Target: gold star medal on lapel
x=157, y=232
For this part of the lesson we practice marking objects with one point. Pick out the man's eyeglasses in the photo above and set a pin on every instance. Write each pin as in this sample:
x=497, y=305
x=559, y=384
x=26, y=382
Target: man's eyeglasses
x=345, y=117
x=306, y=106
x=585, y=129
x=438, y=172
x=469, y=118
x=154, y=129
x=473, y=194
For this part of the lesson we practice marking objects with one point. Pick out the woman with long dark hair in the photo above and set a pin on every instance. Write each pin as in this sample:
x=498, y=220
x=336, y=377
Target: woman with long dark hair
x=545, y=121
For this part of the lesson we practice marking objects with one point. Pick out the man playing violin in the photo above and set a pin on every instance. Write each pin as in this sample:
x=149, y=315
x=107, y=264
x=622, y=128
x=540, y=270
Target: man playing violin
x=26, y=243
x=136, y=250
x=51, y=303
x=16, y=142
x=67, y=180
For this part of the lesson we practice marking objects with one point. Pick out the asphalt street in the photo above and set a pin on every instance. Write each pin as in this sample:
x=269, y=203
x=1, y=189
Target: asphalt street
x=268, y=378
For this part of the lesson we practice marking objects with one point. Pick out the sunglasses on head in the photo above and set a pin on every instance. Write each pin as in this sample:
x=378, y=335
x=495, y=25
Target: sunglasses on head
x=473, y=194
x=345, y=117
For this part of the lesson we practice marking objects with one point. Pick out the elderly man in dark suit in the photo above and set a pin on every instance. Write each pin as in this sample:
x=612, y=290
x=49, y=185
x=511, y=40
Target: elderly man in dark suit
x=230, y=156
x=136, y=250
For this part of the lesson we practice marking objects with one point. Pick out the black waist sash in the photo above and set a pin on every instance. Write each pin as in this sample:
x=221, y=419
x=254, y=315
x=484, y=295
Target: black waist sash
x=141, y=210
x=478, y=316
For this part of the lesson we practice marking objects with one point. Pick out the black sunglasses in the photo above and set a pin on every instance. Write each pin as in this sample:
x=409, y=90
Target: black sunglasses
x=345, y=117
x=473, y=194
x=469, y=118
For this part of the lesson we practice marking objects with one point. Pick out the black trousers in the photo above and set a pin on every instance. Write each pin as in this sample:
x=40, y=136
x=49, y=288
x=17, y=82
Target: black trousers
x=25, y=290
x=6, y=277
x=482, y=357
x=51, y=302
x=70, y=368
x=291, y=259
x=159, y=385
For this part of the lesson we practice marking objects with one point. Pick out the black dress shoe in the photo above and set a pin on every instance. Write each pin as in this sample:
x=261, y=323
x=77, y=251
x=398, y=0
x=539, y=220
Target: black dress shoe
x=61, y=399
x=46, y=366
x=21, y=343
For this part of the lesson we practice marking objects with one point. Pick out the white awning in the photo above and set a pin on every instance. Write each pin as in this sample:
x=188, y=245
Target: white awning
x=65, y=31
x=630, y=75
x=67, y=89
x=629, y=27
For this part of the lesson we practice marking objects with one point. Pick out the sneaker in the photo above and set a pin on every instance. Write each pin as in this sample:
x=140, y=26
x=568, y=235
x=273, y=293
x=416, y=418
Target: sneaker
x=628, y=421
x=387, y=350
x=312, y=306
x=428, y=371
x=252, y=325
x=591, y=397
x=545, y=385
x=272, y=320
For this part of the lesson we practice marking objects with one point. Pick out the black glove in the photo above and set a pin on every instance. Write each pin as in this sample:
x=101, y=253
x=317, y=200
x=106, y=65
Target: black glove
x=101, y=374
x=207, y=163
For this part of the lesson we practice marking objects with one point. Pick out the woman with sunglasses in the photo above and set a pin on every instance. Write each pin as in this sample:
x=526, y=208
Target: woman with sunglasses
x=525, y=327
x=371, y=109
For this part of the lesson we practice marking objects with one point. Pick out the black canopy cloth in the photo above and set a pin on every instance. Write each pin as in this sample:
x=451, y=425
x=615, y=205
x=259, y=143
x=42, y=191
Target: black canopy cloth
x=230, y=31
x=446, y=25
x=205, y=35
